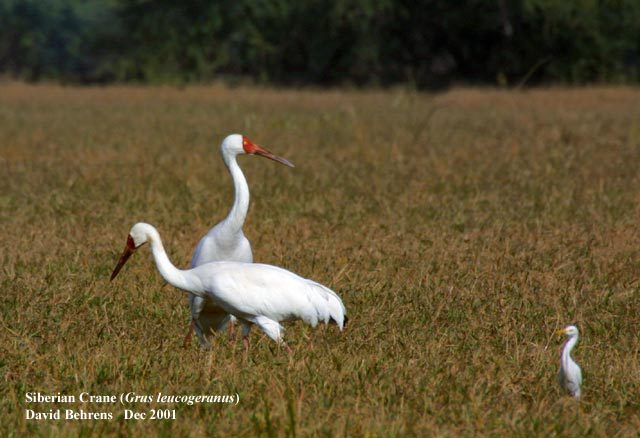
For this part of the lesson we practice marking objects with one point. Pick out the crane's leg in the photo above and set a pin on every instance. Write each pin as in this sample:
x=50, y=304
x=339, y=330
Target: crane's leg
x=195, y=327
x=195, y=305
x=246, y=328
x=187, y=339
x=232, y=329
x=200, y=333
x=198, y=319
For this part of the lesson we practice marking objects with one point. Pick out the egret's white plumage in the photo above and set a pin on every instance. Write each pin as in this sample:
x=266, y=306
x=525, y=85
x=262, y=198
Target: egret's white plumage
x=570, y=375
x=225, y=241
x=258, y=294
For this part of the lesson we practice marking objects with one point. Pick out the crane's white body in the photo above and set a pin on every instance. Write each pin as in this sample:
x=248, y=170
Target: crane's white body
x=258, y=294
x=225, y=241
x=265, y=295
x=570, y=375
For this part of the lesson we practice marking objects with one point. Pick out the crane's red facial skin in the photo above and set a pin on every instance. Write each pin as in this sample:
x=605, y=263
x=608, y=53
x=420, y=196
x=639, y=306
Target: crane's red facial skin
x=253, y=149
x=248, y=146
x=128, y=250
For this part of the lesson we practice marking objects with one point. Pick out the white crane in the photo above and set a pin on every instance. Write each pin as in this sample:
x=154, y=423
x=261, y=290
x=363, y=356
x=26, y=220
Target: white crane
x=254, y=293
x=570, y=375
x=225, y=241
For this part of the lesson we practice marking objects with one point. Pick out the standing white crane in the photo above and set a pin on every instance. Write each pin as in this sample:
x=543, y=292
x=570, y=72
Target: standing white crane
x=570, y=375
x=254, y=293
x=225, y=241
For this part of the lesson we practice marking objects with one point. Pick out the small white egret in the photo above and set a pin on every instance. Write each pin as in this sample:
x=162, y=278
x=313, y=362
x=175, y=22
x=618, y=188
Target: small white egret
x=570, y=375
x=225, y=241
x=254, y=293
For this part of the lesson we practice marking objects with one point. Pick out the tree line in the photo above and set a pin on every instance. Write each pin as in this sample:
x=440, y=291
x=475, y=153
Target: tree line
x=425, y=43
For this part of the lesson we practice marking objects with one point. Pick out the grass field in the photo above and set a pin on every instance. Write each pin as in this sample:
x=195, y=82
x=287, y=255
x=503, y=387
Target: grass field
x=461, y=229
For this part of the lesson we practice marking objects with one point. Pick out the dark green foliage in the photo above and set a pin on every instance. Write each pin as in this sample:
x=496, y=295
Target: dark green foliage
x=426, y=43
x=61, y=39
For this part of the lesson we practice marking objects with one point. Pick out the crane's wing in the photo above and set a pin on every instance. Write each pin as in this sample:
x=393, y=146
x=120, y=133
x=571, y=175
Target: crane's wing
x=250, y=290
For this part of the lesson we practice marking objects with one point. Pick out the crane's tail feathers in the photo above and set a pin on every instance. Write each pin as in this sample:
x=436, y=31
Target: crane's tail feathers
x=272, y=328
x=332, y=303
x=344, y=323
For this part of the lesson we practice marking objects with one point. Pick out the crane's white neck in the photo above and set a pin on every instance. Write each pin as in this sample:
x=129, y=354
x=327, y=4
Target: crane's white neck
x=566, y=352
x=235, y=219
x=174, y=276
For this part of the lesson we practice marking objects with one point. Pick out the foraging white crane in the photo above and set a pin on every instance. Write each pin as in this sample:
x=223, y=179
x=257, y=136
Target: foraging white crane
x=254, y=293
x=225, y=241
x=570, y=375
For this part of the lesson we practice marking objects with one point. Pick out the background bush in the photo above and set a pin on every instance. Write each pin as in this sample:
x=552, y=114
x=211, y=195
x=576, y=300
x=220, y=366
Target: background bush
x=426, y=43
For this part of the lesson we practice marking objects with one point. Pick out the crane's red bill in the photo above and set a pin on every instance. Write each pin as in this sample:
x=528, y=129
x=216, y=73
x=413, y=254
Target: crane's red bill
x=128, y=250
x=254, y=149
x=265, y=153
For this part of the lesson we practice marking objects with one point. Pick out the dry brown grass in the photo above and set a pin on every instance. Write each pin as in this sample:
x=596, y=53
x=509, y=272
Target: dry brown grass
x=461, y=230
